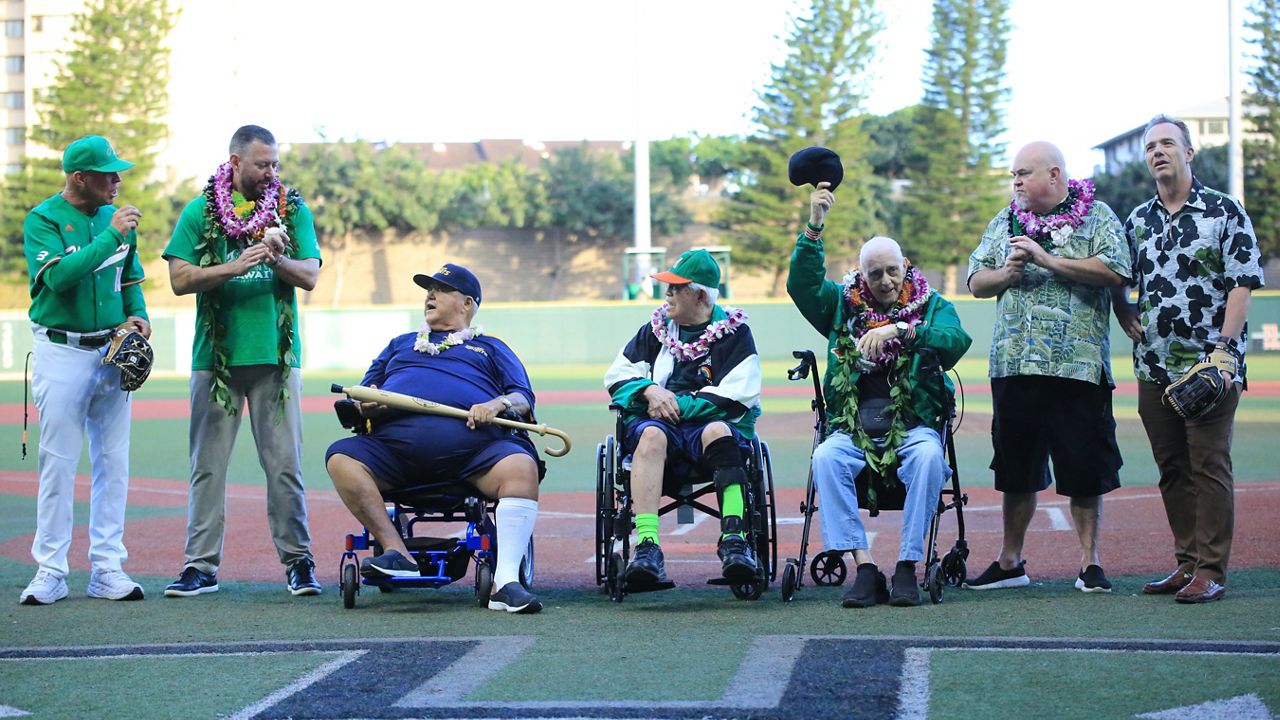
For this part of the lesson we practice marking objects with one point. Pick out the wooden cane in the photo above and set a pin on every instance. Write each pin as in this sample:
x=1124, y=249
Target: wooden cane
x=419, y=405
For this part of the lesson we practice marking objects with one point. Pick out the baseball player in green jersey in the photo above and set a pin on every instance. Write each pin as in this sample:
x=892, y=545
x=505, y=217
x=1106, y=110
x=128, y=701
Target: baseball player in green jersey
x=82, y=254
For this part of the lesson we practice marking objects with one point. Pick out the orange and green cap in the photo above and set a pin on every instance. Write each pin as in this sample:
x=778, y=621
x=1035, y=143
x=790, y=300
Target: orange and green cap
x=93, y=153
x=693, y=266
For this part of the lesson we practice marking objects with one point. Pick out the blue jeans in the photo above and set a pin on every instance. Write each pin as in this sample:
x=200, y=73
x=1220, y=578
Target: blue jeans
x=922, y=468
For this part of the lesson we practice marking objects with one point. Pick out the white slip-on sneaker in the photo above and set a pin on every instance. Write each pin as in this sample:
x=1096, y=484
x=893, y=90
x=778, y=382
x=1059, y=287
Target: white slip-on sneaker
x=112, y=584
x=44, y=589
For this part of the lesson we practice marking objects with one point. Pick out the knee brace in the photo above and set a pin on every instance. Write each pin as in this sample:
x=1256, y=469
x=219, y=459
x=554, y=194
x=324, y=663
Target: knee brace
x=722, y=453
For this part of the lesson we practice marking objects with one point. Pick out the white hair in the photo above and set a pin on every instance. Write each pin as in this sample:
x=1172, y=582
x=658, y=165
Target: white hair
x=713, y=294
x=880, y=243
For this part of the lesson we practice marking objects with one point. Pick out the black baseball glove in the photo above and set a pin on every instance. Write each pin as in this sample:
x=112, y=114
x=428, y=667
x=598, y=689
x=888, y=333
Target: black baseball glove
x=1202, y=388
x=132, y=354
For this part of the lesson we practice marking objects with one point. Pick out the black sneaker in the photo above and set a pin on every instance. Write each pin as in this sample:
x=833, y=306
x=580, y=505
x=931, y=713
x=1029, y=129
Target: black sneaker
x=515, y=599
x=389, y=564
x=738, y=565
x=1092, y=580
x=906, y=591
x=192, y=582
x=301, y=575
x=995, y=577
x=648, y=568
x=868, y=585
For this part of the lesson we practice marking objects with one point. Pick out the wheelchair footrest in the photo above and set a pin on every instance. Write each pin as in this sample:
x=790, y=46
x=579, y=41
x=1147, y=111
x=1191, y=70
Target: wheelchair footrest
x=631, y=589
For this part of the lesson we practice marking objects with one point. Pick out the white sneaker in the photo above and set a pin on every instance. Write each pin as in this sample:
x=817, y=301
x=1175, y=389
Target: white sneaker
x=112, y=584
x=44, y=589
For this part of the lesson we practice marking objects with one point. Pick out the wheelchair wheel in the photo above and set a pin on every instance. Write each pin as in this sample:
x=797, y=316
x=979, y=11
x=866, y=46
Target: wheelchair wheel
x=828, y=568
x=789, y=575
x=614, y=583
x=933, y=581
x=484, y=583
x=350, y=585
x=750, y=591
x=604, y=506
x=526, y=567
x=954, y=571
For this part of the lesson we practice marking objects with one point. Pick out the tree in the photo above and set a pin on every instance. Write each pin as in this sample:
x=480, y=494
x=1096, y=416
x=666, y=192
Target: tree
x=813, y=98
x=951, y=200
x=1262, y=170
x=717, y=160
x=506, y=195
x=113, y=81
x=592, y=196
x=356, y=190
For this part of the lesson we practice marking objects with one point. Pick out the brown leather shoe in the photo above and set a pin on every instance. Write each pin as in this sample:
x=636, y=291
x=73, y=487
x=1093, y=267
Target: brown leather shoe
x=1177, y=580
x=1200, y=590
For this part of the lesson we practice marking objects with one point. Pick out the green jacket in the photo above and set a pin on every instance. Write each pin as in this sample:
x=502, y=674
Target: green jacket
x=821, y=301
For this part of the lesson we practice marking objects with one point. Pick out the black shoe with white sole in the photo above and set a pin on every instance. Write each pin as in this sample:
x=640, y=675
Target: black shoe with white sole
x=513, y=598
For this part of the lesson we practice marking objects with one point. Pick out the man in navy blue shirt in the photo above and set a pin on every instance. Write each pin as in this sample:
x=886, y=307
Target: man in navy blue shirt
x=450, y=362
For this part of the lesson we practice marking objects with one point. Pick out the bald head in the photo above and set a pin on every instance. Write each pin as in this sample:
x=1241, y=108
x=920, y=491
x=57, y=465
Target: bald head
x=880, y=248
x=1042, y=154
x=1039, y=177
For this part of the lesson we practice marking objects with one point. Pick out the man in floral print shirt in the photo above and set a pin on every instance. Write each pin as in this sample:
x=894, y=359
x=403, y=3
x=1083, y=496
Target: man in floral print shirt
x=1048, y=259
x=1196, y=262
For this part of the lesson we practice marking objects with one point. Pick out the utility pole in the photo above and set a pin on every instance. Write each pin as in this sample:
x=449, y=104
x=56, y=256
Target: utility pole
x=1235, y=150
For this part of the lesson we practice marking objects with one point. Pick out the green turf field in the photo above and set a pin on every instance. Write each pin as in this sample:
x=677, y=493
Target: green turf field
x=252, y=650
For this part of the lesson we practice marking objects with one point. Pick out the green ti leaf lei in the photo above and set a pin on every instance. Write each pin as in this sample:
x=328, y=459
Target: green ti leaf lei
x=881, y=458
x=211, y=250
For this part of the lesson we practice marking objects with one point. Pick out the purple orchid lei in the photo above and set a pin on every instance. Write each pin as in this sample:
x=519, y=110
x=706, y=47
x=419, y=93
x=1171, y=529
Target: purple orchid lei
x=423, y=343
x=699, y=347
x=1041, y=227
x=264, y=212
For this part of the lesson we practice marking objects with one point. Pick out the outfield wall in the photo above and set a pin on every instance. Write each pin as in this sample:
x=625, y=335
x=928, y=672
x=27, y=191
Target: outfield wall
x=549, y=333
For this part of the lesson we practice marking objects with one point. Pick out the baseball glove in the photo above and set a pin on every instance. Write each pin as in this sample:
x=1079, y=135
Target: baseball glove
x=1201, y=388
x=132, y=354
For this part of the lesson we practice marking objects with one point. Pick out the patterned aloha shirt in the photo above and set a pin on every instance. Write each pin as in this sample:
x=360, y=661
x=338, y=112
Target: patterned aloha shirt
x=1184, y=266
x=1047, y=324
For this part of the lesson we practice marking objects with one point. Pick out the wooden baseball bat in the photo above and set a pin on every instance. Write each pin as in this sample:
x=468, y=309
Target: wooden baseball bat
x=419, y=405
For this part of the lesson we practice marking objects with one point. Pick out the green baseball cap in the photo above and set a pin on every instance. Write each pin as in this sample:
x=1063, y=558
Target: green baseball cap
x=93, y=153
x=693, y=266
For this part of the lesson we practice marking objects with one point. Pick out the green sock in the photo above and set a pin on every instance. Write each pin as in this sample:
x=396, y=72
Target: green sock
x=646, y=527
x=731, y=504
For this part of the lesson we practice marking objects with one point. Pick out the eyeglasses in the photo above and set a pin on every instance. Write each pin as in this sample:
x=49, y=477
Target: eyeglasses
x=674, y=289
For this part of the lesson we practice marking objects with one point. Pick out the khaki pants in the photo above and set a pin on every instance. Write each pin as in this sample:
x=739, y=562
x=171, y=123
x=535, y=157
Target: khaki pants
x=279, y=441
x=1196, y=484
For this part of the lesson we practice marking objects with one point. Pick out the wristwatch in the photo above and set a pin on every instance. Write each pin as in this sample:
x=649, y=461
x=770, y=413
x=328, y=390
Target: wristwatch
x=903, y=328
x=506, y=404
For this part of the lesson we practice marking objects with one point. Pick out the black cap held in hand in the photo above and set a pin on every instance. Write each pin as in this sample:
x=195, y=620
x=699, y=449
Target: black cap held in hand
x=813, y=165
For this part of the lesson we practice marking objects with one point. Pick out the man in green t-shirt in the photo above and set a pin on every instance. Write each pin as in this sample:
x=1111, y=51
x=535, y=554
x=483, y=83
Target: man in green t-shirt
x=243, y=246
x=82, y=254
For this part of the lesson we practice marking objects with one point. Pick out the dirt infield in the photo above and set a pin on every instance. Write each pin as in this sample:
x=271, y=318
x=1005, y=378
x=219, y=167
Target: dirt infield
x=1135, y=536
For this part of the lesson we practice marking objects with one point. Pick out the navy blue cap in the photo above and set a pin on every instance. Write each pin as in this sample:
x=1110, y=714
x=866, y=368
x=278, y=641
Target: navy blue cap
x=813, y=165
x=454, y=276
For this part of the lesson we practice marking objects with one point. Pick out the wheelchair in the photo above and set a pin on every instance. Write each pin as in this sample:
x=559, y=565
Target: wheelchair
x=441, y=560
x=615, y=518
x=828, y=568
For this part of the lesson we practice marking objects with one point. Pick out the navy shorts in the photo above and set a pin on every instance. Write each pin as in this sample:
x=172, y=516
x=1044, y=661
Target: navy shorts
x=1037, y=418
x=684, y=446
x=400, y=468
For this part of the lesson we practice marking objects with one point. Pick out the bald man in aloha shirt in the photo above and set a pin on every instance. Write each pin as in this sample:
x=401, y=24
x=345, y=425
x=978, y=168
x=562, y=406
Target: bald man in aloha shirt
x=1049, y=259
